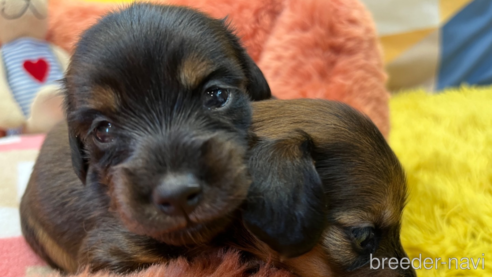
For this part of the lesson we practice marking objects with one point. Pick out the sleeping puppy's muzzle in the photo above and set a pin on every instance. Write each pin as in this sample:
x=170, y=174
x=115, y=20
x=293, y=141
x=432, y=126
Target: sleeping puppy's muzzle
x=157, y=101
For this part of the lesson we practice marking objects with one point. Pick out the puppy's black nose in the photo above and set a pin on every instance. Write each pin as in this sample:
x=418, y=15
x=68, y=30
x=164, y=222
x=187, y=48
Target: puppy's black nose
x=178, y=194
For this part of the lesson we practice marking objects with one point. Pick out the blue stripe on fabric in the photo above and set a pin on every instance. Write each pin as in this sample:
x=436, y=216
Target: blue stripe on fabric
x=466, y=47
x=42, y=50
x=23, y=97
x=14, y=132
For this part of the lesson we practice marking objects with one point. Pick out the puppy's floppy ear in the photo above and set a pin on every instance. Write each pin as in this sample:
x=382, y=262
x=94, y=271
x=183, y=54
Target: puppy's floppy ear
x=285, y=207
x=257, y=87
x=79, y=162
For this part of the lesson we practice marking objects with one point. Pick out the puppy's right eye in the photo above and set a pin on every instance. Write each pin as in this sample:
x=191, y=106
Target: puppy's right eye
x=216, y=98
x=104, y=132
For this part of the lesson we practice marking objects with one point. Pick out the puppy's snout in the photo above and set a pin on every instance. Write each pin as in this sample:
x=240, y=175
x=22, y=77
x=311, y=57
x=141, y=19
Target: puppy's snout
x=178, y=194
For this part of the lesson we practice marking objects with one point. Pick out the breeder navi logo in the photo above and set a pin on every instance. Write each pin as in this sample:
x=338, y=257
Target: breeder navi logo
x=429, y=263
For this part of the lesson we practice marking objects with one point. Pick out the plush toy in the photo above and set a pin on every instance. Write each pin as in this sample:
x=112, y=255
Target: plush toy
x=30, y=67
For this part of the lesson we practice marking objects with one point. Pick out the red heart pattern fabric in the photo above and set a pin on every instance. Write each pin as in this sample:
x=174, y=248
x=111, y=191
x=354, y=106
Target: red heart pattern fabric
x=37, y=69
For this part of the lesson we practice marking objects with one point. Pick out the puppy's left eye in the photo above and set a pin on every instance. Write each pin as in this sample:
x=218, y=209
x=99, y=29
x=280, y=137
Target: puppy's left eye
x=216, y=98
x=104, y=132
x=364, y=239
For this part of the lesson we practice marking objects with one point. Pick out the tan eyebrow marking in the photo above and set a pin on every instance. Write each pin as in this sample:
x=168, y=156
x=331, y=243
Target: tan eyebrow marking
x=193, y=70
x=103, y=98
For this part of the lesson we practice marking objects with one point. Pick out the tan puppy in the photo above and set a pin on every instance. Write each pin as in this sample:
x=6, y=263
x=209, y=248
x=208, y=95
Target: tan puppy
x=345, y=168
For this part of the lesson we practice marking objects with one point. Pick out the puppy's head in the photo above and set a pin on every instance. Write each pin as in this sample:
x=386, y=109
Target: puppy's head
x=157, y=101
x=358, y=212
x=366, y=194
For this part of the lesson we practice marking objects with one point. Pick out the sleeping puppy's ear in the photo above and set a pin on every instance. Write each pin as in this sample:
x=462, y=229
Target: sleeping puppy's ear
x=79, y=162
x=285, y=207
x=257, y=86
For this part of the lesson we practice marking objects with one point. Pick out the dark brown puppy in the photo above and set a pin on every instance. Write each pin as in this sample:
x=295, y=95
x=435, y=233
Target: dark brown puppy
x=340, y=159
x=157, y=103
x=158, y=113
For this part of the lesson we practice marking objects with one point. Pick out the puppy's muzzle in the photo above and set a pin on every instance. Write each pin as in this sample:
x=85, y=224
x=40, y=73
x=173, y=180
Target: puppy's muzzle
x=177, y=194
x=182, y=186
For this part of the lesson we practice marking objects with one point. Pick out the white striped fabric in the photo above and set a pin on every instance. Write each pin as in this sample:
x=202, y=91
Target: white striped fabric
x=30, y=64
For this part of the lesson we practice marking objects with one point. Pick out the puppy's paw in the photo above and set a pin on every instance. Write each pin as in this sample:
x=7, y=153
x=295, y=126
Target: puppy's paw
x=285, y=207
x=115, y=249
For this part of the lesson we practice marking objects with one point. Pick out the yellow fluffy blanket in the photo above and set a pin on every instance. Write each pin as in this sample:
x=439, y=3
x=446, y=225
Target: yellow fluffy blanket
x=445, y=144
